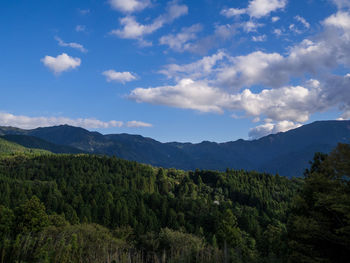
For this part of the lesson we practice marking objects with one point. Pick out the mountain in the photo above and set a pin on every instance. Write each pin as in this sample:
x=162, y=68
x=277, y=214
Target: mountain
x=287, y=153
x=37, y=143
x=7, y=147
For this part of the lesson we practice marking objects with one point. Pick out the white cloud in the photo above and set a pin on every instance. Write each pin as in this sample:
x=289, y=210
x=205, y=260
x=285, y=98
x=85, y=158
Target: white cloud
x=277, y=31
x=256, y=8
x=198, y=69
x=287, y=103
x=261, y=8
x=251, y=69
x=287, y=106
x=268, y=128
x=339, y=20
x=342, y=3
x=221, y=82
x=129, y=5
x=325, y=52
x=260, y=38
x=138, y=124
x=302, y=27
x=80, y=28
x=131, y=29
x=294, y=103
x=303, y=21
x=275, y=19
x=72, y=45
x=134, y=30
x=25, y=122
x=230, y=12
x=251, y=26
x=180, y=41
x=123, y=77
x=61, y=63
x=224, y=31
x=345, y=116
x=187, y=94
x=202, y=45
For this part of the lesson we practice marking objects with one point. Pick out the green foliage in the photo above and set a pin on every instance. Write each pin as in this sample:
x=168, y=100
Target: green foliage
x=31, y=216
x=319, y=226
x=66, y=204
x=7, y=147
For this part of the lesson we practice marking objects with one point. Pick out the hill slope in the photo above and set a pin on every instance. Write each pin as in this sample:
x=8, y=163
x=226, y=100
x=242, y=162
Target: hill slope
x=7, y=147
x=37, y=143
x=285, y=153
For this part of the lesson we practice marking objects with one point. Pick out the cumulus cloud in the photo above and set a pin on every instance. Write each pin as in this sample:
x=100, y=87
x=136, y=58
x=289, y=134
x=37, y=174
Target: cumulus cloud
x=61, y=63
x=181, y=41
x=250, y=69
x=345, y=116
x=256, y=8
x=287, y=106
x=131, y=29
x=26, y=122
x=293, y=103
x=287, y=103
x=186, y=94
x=134, y=30
x=72, y=45
x=129, y=5
x=123, y=77
x=138, y=124
x=339, y=20
x=221, y=82
x=309, y=57
x=268, y=128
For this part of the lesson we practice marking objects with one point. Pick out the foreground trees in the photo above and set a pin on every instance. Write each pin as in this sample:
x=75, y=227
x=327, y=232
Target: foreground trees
x=81, y=208
x=319, y=226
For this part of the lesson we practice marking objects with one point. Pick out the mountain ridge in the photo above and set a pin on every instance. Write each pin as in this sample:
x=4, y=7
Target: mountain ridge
x=287, y=153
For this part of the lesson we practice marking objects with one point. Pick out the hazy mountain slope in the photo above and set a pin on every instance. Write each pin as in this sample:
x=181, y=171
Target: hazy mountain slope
x=7, y=147
x=37, y=143
x=287, y=153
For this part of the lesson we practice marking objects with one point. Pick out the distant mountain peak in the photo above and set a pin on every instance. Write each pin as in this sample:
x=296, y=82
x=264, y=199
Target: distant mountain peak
x=286, y=153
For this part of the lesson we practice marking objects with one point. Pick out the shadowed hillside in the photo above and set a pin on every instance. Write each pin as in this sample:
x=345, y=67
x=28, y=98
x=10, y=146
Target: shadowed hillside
x=286, y=153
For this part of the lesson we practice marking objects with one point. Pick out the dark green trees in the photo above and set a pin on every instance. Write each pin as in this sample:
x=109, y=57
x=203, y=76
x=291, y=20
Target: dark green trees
x=186, y=216
x=31, y=216
x=319, y=227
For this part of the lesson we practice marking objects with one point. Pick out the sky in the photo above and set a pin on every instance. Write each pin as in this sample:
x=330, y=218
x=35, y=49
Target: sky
x=175, y=70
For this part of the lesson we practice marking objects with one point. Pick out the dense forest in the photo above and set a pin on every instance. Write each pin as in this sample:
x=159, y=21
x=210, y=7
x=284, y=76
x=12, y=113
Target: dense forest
x=87, y=208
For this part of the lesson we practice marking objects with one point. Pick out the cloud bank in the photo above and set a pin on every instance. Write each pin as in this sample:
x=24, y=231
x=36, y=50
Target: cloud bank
x=25, y=122
x=221, y=82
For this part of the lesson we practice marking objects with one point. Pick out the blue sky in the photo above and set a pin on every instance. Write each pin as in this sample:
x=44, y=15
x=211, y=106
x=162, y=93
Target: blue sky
x=175, y=70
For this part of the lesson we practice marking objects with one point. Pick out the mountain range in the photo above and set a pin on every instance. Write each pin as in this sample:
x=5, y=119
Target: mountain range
x=286, y=153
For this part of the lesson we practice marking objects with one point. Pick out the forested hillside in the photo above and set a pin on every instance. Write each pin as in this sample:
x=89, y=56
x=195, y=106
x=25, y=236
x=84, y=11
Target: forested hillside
x=81, y=208
x=152, y=212
x=7, y=147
